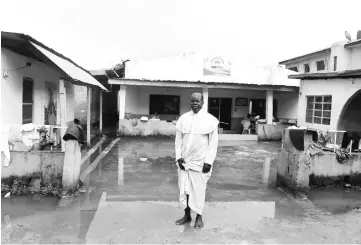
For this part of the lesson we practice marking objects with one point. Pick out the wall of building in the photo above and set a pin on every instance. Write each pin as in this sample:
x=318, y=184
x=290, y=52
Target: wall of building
x=356, y=58
x=340, y=89
x=351, y=120
x=343, y=57
x=137, y=101
x=47, y=165
x=312, y=63
x=347, y=59
x=12, y=88
x=81, y=104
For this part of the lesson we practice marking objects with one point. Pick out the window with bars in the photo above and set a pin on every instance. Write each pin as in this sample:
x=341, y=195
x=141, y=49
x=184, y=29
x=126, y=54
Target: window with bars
x=307, y=68
x=319, y=109
x=28, y=94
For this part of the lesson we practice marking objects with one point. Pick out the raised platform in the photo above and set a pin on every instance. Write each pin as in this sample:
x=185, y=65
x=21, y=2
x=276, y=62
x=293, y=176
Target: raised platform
x=248, y=137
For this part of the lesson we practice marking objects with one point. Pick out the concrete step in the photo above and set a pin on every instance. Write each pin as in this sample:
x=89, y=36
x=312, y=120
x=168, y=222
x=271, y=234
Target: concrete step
x=248, y=137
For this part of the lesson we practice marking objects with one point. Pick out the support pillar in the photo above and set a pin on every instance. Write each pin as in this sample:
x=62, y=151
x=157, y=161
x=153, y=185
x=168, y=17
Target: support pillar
x=269, y=106
x=250, y=107
x=205, y=98
x=101, y=113
x=63, y=125
x=88, y=126
x=121, y=104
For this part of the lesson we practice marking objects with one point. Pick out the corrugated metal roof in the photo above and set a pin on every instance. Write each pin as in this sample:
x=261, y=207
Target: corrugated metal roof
x=189, y=67
x=73, y=71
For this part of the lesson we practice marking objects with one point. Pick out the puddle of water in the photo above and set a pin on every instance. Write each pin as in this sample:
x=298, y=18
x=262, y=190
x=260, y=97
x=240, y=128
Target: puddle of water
x=335, y=200
x=20, y=206
x=145, y=170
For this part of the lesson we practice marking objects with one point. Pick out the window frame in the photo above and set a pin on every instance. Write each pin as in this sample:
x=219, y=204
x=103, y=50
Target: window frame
x=25, y=120
x=164, y=95
x=291, y=68
x=318, y=113
x=309, y=68
x=334, y=63
x=324, y=65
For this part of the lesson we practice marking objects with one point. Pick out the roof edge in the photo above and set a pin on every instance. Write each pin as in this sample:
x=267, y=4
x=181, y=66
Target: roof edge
x=353, y=44
x=30, y=38
x=328, y=75
x=303, y=56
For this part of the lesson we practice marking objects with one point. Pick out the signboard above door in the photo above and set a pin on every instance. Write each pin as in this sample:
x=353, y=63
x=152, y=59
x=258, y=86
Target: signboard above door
x=216, y=66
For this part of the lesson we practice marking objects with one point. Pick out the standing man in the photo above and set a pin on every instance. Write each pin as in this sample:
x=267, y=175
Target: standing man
x=73, y=138
x=196, y=145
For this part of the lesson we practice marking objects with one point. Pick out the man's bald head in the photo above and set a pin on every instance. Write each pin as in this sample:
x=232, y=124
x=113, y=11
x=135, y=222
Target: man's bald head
x=197, y=96
x=196, y=102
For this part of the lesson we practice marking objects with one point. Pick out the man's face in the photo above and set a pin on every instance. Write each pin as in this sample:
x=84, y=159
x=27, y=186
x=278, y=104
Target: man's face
x=196, y=103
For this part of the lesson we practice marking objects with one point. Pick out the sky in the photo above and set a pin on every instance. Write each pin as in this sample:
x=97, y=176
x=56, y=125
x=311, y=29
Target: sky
x=99, y=34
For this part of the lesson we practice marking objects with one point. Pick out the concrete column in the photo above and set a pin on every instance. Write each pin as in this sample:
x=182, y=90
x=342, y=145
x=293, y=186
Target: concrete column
x=205, y=98
x=121, y=104
x=63, y=125
x=120, y=168
x=101, y=113
x=250, y=107
x=121, y=101
x=269, y=106
x=88, y=126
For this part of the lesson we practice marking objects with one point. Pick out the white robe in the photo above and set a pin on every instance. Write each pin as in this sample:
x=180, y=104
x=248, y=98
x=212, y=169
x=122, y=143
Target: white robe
x=196, y=141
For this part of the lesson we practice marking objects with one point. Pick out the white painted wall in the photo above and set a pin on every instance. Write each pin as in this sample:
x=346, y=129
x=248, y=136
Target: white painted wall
x=287, y=105
x=340, y=89
x=312, y=63
x=347, y=59
x=343, y=57
x=356, y=58
x=137, y=99
x=12, y=90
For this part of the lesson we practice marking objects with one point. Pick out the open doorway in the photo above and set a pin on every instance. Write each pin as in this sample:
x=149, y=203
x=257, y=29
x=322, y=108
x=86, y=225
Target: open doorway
x=259, y=107
x=221, y=108
x=350, y=121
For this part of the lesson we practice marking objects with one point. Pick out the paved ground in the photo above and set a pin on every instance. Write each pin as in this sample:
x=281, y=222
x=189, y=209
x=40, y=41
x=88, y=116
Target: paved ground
x=133, y=195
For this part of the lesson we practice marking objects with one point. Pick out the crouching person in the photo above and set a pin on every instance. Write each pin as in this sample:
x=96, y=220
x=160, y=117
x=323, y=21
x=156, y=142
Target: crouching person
x=73, y=138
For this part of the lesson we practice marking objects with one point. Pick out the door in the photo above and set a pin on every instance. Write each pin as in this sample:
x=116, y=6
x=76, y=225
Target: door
x=221, y=108
x=226, y=113
x=259, y=107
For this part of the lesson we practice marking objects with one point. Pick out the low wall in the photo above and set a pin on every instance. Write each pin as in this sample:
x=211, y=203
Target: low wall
x=270, y=132
x=135, y=127
x=326, y=169
x=46, y=165
x=297, y=169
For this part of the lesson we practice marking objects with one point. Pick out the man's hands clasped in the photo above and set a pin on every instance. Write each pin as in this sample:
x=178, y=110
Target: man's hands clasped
x=206, y=167
x=180, y=163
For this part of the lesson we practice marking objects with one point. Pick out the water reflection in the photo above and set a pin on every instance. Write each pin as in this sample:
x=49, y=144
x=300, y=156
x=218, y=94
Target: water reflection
x=266, y=169
x=239, y=192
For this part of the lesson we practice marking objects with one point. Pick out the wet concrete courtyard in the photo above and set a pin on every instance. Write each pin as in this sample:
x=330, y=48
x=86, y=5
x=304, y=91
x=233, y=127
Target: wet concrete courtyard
x=131, y=197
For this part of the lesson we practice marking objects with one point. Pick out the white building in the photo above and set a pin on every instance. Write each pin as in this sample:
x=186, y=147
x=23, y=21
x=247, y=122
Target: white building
x=40, y=86
x=330, y=88
x=232, y=88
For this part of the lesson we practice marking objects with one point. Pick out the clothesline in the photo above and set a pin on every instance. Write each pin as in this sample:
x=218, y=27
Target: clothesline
x=36, y=125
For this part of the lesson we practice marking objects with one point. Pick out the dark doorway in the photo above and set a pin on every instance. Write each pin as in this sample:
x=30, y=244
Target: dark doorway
x=259, y=107
x=221, y=108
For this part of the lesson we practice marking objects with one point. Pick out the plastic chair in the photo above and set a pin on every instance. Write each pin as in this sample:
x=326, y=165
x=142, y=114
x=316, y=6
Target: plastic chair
x=248, y=130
